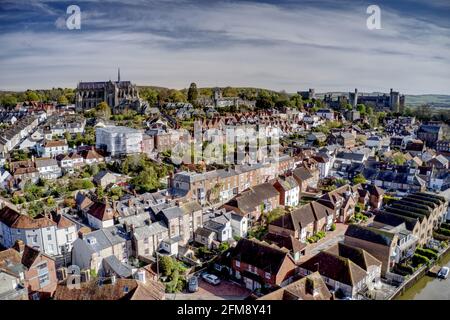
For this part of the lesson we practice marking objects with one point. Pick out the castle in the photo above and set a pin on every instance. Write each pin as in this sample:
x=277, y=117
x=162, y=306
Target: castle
x=394, y=102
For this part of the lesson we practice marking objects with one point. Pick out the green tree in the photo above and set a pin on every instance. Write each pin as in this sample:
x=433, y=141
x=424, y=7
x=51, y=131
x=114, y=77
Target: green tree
x=229, y=92
x=31, y=95
x=399, y=159
x=166, y=265
x=9, y=101
x=264, y=100
x=297, y=101
x=361, y=108
x=176, y=96
x=359, y=179
x=192, y=94
x=63, y=100
x=103, y=110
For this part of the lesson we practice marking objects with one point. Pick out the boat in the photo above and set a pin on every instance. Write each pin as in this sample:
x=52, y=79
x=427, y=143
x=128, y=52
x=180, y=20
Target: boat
x=443, y=273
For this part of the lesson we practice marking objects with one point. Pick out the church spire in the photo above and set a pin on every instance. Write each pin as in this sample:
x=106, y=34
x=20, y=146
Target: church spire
x=118, y=75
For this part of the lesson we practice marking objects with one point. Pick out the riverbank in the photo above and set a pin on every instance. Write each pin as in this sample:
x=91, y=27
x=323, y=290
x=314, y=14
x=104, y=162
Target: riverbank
x=424, y=287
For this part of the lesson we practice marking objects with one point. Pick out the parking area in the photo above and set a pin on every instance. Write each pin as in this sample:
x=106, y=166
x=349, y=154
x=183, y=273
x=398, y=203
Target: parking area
x=226, y=290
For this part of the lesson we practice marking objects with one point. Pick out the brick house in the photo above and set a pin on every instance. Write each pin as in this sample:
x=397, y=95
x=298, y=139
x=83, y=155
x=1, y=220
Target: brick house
x=341, y=273
x=289, y=191
x=253, y=202
x=257, y=264
x=37, y=269
x=379, y=243
x=304, y=222
x=342, y=201
x=311, y=287
x=306, y=178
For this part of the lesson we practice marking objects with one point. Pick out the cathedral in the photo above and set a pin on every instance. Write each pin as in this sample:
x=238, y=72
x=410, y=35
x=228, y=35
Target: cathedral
x=119, y=95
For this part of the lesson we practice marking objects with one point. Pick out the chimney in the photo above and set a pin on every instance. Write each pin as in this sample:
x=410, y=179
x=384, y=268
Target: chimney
x=113, y=279
x=310, y=287
x=19, y=246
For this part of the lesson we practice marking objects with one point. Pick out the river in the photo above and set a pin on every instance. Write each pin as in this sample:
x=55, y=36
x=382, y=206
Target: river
x=429, y=288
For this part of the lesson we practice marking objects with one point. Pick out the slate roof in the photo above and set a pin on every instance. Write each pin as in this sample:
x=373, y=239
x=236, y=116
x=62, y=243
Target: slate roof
x=370, y=234
x=302, y=290
x=119, y=268
x=260, y=255
x=147, y=231
x=359, y=256
x=335, y=267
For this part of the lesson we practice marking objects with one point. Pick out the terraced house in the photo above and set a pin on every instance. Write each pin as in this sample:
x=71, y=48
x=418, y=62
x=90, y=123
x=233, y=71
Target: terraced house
x=428, y=208
x=221, y=185
x=304, y=222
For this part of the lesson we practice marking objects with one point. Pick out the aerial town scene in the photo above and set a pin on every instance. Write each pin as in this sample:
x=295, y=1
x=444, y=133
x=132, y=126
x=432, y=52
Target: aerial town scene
x=224, y=151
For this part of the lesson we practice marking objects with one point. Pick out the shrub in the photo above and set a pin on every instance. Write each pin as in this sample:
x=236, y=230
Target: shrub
x=418, y=259
x=430, y=254
x=443, y=231
x=445, y=225
x=333, y=227
x=320, y=234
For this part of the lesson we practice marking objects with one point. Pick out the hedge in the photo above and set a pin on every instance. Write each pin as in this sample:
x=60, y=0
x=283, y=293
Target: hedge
x=430, y=254
x=418, y=259
x=443, y=231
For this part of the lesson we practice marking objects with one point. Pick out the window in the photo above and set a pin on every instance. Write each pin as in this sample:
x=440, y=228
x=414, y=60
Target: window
x=49, y=237
x=147, y=251
x=44, y=280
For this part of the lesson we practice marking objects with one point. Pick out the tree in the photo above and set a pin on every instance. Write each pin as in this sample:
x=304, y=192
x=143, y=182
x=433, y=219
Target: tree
x=229, y=92
x=63, y=100
x=359, y=179
x=399, y=159
x=263, y=101
x=9, y=101
x=166, y=265
x=150, y=95
x=176, y=96
x=297, y=101
x=361, y=108
x=99, y=192
x=192, y=94
x=103, y=110
x=146, y=180
x=31, y=95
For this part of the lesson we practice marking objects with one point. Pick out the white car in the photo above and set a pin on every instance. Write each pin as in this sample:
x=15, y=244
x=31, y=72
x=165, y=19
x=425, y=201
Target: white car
x=210, y=278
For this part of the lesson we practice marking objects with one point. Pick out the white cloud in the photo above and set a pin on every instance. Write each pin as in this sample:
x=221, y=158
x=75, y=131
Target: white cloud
x=239, y=44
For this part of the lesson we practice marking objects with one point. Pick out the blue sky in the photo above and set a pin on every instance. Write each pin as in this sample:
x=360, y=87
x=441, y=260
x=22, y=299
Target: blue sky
x=283, y=45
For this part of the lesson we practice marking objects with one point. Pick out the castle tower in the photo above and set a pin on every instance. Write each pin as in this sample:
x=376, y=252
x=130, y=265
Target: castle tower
x=118, y=75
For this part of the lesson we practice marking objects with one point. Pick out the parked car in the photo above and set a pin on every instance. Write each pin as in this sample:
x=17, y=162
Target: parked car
x=211, y=279
x=193, y=284
x=443, y=273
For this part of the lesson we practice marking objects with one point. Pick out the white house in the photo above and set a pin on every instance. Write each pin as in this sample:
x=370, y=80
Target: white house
x=51, y=148
x=373, y=142
x=325, y=113
x=52, y=238
x=100, y=215
x=48, y=168
x=239, y=225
